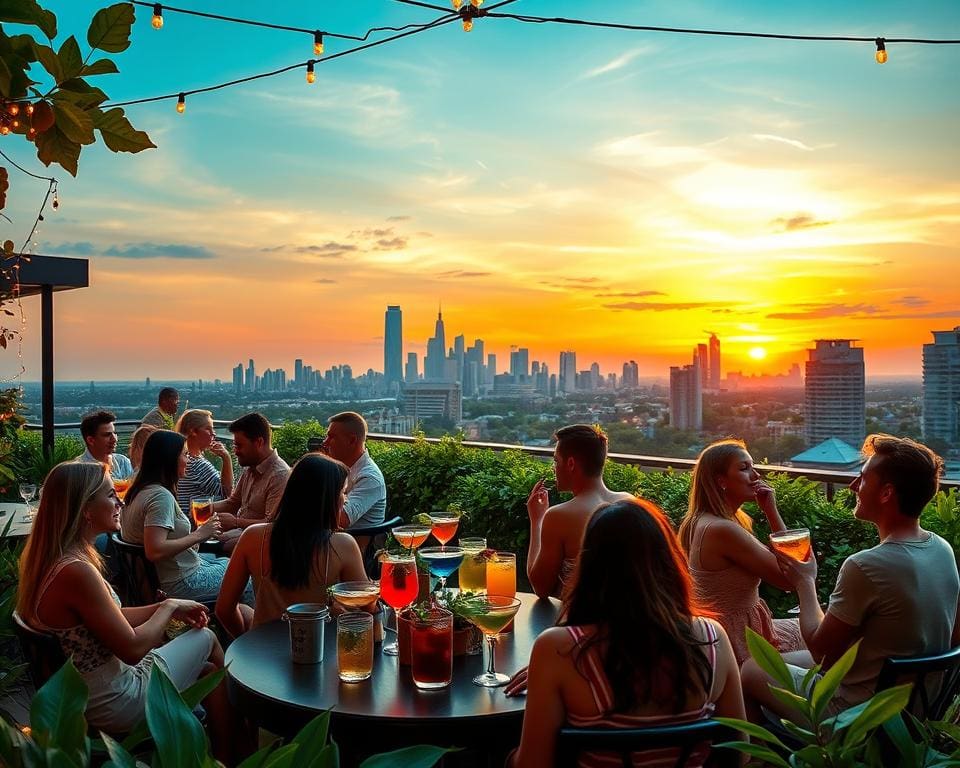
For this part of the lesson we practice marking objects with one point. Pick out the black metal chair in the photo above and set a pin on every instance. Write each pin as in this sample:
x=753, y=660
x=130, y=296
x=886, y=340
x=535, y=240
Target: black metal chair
x=686, y=738
x=41, y=650
x=918, y=670
x=370, y=538
x=138, y=580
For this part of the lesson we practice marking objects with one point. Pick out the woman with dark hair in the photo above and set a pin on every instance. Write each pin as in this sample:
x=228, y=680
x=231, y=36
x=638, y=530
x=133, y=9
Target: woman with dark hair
x=294, y=558
x=62, y=591
x=632, y=650
x=727, y=562
x=152, y=518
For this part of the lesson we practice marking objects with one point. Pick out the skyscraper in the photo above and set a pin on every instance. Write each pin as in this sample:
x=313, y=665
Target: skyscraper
x=834, y=399
x=435, y=362
x=412, y=373
x=567, y=380
x=686, y=397
x=393, y=345
x=631, y=375
x=298, y=373
x=250, y=383
x=704, y=362
x=941, y=387
x=714, y=368
x=519, y=363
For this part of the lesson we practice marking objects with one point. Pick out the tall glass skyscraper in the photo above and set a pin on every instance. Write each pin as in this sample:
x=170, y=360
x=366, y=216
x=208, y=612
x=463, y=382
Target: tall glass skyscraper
x=834, y=397
x=941, y=387
x=393, y=345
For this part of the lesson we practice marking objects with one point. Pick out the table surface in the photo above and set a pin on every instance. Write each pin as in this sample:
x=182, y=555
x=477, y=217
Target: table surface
x=260, y=674
x=21, y=524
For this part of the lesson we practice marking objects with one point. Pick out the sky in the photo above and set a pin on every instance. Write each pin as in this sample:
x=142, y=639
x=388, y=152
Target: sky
x=618, y=193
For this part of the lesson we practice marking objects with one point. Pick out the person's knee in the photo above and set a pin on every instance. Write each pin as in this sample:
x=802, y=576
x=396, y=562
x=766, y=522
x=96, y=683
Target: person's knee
x=753, y=679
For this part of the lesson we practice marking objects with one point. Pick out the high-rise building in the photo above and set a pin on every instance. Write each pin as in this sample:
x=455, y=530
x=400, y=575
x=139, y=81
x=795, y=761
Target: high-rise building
x=393, y=345
x=567, y=379
x=459, y=355
x=250, y=382
x=412, y=373
x=703, y=361
x=238, y=378
x=834, y=400
x=714, y=366
x=433, y=399
x=298, y=374
x=631, y=375
x=491, y=369
x=686, y=397
x=435, y=362
x=941, y=387
x=519, y=363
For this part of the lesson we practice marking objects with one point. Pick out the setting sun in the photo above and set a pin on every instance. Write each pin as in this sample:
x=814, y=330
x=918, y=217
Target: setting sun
x=757, y=353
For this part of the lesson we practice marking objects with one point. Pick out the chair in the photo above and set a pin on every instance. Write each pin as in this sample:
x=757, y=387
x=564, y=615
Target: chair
x=41, y=650
x=370, y=538
x=918, y=670
x=625, y=741
x=137, y=575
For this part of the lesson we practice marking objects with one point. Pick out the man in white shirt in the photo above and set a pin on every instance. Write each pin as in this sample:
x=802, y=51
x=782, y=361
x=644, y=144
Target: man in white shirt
x=100, y=436
x=365, y=500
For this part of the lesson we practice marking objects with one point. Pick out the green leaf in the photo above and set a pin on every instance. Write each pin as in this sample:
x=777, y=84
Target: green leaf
x=896, y=730
x=176, y=732
x=812, y=756
x=110, y=28
x=77, y=91
x=74, y=122
x=751, y=729
x=258, y=759
x=71, y=60
x=880, y=708
x=796, y=704
x=5, y=76
x=764, y=754
x=100, y=67
x=118, y=134
x=56, y=713
x=328, y=757
x=50, y=61
x=769, y=660
x=282, y=757
x=827, y=685
x=118, y=755
x=313, y=736
x=29, y=12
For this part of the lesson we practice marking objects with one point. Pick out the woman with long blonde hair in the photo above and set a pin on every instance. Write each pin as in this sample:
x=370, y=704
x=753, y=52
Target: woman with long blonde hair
x=201, y=478
x=62, y=592
x=727, y=562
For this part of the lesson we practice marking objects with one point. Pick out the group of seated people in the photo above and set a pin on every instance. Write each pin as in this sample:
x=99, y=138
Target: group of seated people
x=652, y=628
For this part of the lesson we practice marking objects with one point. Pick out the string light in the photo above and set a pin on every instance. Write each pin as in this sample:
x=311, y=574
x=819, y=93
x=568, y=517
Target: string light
x=456, y=4
x=467, y=24
x=476, y=3
x=881, y=51
x=318, y=43
x=470, y=12
x=311, y=75
x=181, y=102
x=13, y=108
x=157, y=16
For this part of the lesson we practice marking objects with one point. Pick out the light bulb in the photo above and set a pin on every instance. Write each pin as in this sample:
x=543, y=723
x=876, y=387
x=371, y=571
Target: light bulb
x=881, y=51
x=157, y=16
x=181, y=103
x=467, y=24
x=318, y=43
x=476, y=3
x=15, y=123
x=13, y=109
x=311, y=75
x=56, y=201
x=456, y=4
x=29, y=109
x=4, y=129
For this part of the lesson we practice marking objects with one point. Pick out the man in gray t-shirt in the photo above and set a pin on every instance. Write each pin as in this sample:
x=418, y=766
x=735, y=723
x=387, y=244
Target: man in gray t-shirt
x=899, y=598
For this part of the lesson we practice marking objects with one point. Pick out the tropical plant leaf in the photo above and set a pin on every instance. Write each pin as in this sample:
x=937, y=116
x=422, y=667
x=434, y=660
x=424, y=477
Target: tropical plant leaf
x=29, y=12
x=176, y=732
x=418, y=756
x=811, y=755
x=118, y=755
x=118, y=134
x=751, y=729
x=796, y=704
x=313, y=736
x=827, y=685
x=880, y=708
x=50, y=61
x=762, y=753
x=56, y=713
x=110, y=28
x=54, y=147
x=259, y=758
x=769, y=660
x=5, y=76
x=896, y=730
x=282, y=757
x=74, y=122
x=71, y=60
x=100, y=67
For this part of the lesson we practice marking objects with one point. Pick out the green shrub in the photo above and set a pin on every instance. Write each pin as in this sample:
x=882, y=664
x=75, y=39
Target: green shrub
x=290, y=439
x=32, y=464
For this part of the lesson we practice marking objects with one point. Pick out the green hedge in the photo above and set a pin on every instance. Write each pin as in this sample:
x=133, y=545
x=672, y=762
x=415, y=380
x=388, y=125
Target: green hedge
x=492, y=487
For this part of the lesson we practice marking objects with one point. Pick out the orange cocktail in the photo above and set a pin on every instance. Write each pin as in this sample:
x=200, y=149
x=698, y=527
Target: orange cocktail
x=502, y=574
x=794, y=543
x=410, y=536
x=444, y=527
x=202, y=510
x=122, y=486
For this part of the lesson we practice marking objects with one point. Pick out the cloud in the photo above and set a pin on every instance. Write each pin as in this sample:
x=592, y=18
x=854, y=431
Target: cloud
x=821, y=311
x=155, y=251
x=798, y=221
x=629, y=294
x=912, y=301
x=328, y=250
x=649, y=306
x=371, y=233
x=398, y=218
x=795, y=143
x=645, y=150
x=614, y=64
x=462, y=273
x=324, y=281
x=77, y=249
x=393, y=244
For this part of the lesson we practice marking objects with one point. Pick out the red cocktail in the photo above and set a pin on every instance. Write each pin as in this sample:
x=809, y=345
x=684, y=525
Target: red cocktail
x=431, y=649
x=398, y=586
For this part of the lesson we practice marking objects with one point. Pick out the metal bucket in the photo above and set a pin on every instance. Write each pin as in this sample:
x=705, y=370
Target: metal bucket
x=306, y=621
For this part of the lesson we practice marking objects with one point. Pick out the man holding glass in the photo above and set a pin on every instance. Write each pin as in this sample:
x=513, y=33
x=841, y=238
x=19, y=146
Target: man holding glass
x=898, y=598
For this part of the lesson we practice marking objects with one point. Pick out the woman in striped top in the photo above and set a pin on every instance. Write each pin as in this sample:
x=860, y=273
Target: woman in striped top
x=202, y=479
x=632, y=650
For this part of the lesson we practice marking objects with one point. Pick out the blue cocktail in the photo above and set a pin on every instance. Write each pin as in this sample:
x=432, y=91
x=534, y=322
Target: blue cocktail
x=442, y=561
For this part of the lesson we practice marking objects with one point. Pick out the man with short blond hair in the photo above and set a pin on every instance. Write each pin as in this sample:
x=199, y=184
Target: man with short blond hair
x=365, y=501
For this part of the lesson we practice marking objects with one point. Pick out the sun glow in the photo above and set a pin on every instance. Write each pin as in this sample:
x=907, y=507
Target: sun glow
x=757, y=353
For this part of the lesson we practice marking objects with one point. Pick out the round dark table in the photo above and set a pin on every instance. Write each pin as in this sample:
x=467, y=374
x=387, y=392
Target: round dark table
x=388, y=710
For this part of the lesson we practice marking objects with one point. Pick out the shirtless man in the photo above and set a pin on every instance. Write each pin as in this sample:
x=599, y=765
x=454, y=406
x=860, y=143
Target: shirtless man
x=556, y=532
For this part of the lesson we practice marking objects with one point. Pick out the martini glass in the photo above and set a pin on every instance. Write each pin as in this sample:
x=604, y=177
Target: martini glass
x=398, y=586
x=410, y=536
x=444, y=527
x=356, y=595
x=442, y=561
x=493, y=614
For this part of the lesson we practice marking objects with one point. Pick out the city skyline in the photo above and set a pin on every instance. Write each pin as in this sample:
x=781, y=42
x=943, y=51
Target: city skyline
x=631, y=194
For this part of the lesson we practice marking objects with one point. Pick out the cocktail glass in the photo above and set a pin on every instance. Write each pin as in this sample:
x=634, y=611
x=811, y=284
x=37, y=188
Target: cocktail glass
x=493, y=613
x=794, y=543
x=27, y=490
x=121, y=486
x=502, y=574
x=442, y=561
x=356, y=595
x=355, y=646
x=398, y=586
x=431, y=648
x=473, y=569
x=202, y=510
x=444, y=527
x=410, y=536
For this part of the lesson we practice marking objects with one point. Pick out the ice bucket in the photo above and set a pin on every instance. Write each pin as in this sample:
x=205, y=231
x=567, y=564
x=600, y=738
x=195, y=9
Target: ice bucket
x=306, y=622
